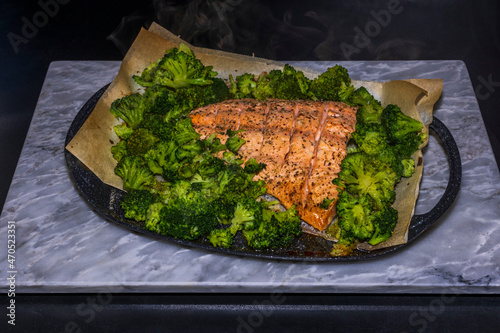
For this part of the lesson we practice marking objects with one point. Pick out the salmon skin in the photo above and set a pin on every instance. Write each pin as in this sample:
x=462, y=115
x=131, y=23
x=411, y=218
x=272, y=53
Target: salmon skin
x=301, y=142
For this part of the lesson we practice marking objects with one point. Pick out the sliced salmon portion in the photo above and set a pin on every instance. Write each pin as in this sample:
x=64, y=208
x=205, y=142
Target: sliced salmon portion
x=253, y=123
x=301, y=142
x=228, y=116
x=289, y=183
x=276, y=141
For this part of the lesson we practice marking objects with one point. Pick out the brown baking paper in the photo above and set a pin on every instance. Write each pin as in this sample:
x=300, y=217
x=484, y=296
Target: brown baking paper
x=92, y=144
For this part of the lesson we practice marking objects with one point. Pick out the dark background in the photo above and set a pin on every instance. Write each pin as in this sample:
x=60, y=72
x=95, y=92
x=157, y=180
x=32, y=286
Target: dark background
x=291, y=30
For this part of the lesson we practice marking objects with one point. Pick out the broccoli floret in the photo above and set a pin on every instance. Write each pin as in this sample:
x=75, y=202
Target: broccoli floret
x=178, y=68
x=287, y=84
x=210, y=166
x=398, y=125
x=354, y=218
x=140, y=142
x=292, y=85
x=384, y=222
x=153, y=217
x=403, y=132
x=134, y=172
x=253, y=167
x=135, y=204
x=123, y=131
x=189, y=216
x=188, y=151
x=409, y=144
x=332, y=85
x=231, y=158
x=224, y=208
x=157, y=126
x=175, y=104
x=370, y=138
x=221, y=238
x=130, y=109
x=119, y=150
x=370, y=109
x=184, y=131
x=214, y=144
x=408, y=168
x=161, y=158
x=247, y=215
x=234, y=142
x=265, y=86
x=171, y=104
x=276, y=230
x=243, y=86
x=325, y=204
x=363, y=175
x=217, y=92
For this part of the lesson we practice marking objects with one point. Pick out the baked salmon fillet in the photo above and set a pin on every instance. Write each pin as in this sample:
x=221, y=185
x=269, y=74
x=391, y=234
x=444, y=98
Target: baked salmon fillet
x=302, y=144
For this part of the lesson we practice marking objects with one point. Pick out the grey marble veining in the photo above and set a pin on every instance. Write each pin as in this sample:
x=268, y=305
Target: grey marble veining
x=63, y=246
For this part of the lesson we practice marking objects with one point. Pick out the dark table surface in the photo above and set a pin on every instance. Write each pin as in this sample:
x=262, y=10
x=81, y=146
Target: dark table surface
x=37, y=32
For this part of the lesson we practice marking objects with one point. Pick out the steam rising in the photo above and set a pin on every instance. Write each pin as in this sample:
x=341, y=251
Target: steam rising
x=297, y=30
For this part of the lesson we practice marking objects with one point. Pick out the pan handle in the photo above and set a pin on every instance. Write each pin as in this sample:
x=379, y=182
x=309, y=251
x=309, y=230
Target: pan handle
x=422, y=222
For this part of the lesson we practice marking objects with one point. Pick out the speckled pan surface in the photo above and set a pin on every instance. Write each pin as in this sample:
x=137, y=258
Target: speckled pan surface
x=105, y=199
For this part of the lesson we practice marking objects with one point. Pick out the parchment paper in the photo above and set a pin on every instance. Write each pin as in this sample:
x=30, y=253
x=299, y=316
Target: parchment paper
x=91, y=145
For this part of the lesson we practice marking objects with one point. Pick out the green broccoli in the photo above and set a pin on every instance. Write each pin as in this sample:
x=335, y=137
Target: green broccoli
x=140, y=142
x=221, y=238
x=370, y=138
x=188, y=151
x=332, y=85
x=155, y=124
x=370, y=109
x=292, y=85
x=403, y=132
x=214, y=144
x=364, y=175
x=243, y=86
x=188, y=216
x=408, y=167
x=161, y=158
x=216, y=92
x=276, y=229
x=287, y=84
x=123, y=131
x=130, y=109
x=354, y=218
x=184, y=131
x=208, y=165
x=247, y=215
x=175, y=104
x=134, y=172
x=119, y=150
x=398, y=125
x=384, y=222
x=234, y=142
x=265, y=86
x=135, y=204
x=153, y=217
x=253, y=167
x=178, y=68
